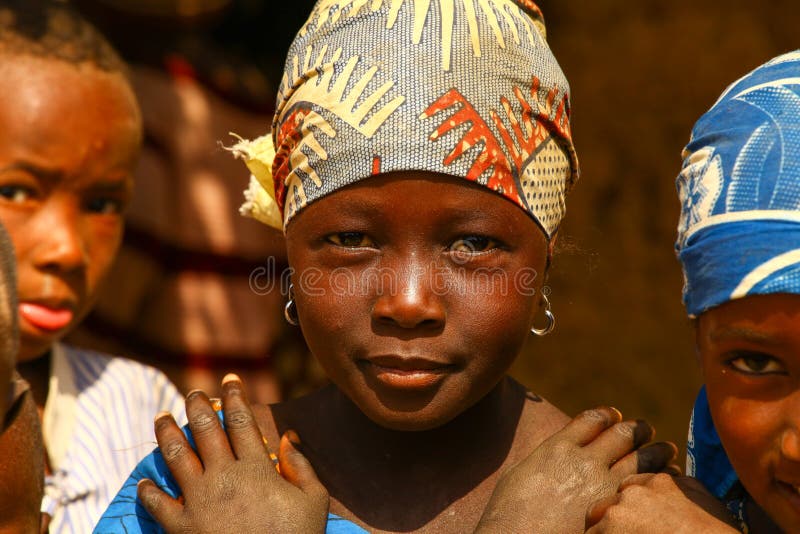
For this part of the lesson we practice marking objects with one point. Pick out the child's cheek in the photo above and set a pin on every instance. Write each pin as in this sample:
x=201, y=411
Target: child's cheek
x=748, y=429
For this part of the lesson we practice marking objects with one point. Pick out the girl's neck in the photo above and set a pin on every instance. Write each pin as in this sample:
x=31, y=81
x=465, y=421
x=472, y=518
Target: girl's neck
x=402, y=480
x=487, y=430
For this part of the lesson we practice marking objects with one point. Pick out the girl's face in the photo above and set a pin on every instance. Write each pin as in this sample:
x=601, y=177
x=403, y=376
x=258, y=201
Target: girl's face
x=69, y=142
x=750, y=350
x=415, y=291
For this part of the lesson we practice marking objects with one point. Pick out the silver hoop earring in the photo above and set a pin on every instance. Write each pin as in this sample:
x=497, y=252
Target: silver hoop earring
x=290, y=310
x=551, y=320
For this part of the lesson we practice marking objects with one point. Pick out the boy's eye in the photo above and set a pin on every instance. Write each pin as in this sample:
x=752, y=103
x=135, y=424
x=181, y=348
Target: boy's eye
x=473, y=244
x=16, y=193
x=104, y=206
x=350, y=240
x=756, y=363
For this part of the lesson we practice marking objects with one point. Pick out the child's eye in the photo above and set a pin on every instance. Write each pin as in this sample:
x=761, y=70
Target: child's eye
x=104, y=205
x=756, y=363
x=16, y=193
x=473, y=244
x=350, y=240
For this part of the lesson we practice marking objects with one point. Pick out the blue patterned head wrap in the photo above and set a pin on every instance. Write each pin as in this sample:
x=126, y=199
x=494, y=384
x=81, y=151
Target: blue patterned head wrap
x=739, y=231
x=466, y=88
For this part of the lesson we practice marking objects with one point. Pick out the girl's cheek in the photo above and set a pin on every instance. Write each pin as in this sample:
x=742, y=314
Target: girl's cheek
x=746, y=428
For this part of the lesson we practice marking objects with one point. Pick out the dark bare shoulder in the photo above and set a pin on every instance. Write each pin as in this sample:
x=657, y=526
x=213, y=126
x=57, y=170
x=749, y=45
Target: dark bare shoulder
x=298, y=414
x=538, y=421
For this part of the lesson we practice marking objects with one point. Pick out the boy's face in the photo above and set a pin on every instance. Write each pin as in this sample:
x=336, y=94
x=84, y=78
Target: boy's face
x=750, y=350
x=415, y=292
x=69, y=142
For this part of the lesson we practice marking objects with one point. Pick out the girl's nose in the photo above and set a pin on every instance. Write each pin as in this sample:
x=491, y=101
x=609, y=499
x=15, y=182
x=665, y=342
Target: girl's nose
x=790, y=440
x=411, y=301
x=790, y=443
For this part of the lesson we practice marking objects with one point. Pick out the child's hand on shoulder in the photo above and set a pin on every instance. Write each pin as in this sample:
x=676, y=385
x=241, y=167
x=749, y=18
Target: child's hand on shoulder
x=231, y=484
x=656, y=503
x=552, y=489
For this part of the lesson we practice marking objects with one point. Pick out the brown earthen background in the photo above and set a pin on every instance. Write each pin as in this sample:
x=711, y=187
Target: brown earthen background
x=641, y=73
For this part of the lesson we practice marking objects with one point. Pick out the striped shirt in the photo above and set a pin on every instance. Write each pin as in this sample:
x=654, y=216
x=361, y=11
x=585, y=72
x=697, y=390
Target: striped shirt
x=97, y=425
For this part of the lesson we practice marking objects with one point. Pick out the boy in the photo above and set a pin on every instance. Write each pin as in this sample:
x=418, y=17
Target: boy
x=71, y=136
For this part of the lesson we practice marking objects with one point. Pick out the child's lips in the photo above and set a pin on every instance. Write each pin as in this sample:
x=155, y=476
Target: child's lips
x=45, y=317
x=406, y=373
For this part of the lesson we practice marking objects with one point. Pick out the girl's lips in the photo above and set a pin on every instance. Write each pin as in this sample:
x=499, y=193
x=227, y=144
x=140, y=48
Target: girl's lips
x=44, y=317
x=406, y=373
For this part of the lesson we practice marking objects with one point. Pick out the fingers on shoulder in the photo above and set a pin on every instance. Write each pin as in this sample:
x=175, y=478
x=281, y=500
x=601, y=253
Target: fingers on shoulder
x=588, y=424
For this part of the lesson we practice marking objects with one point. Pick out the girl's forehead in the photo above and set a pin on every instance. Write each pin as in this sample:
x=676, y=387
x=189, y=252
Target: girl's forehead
x=417, y=196
x=771, y=320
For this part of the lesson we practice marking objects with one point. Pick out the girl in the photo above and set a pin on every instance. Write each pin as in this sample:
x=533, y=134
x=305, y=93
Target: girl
x=739, y=243
x=71, y=133
x=420, y=156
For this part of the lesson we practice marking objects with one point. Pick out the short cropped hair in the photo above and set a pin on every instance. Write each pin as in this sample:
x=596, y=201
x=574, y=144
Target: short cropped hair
x=53, y=29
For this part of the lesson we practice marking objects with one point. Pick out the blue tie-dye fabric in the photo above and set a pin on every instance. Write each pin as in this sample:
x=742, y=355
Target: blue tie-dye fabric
x=739, y=232
x=126, y=515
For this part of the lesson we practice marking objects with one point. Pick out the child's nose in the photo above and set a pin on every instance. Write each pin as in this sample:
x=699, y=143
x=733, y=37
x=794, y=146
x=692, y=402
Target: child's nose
x=413, y=301
x=790, y=445
x=790, y=440
x=60, y=244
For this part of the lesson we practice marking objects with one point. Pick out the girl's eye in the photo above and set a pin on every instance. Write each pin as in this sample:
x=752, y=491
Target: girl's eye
x=473, y=244
x=16, y=193
x=756, y=363
x=104, y=206
x=350, y=240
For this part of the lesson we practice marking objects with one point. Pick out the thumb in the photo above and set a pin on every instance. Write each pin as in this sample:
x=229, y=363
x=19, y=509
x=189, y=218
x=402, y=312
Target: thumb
x=163, y=508
x=294, y=466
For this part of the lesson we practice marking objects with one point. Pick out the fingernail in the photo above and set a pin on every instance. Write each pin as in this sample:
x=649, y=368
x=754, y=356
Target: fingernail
x=619, y=413
x=231, y=377
x=162, y=418
x=293, y=438
x=194, y=393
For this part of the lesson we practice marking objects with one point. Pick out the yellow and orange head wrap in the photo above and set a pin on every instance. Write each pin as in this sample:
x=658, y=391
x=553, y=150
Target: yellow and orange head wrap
x=467, y=88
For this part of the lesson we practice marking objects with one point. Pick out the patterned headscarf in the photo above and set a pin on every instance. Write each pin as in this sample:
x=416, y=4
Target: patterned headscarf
x=739, y=231
x=468, y=88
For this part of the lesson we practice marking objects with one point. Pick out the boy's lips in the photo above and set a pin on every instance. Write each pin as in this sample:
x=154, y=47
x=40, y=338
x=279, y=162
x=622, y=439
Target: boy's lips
x=406, y=372
x=45, y=317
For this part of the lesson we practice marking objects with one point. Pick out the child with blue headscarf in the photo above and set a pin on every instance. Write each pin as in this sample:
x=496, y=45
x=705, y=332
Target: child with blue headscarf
x=739, y=245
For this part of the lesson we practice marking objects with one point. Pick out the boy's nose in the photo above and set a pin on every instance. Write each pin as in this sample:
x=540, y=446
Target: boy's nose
x=60, y=243
x=412, y=302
